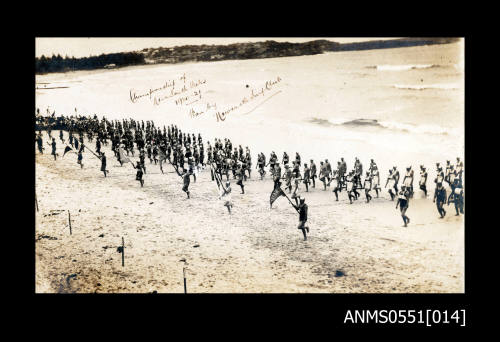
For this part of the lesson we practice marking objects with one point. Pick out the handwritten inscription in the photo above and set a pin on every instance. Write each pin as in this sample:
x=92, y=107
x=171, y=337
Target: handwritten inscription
x=254, y=94
x=179, y=90
x=184, y=92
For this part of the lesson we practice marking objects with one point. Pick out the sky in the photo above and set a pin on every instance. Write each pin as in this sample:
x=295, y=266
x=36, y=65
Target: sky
x=84, y=47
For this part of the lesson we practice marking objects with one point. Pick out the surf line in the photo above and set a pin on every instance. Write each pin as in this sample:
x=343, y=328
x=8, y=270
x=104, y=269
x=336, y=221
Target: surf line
x=279, y=91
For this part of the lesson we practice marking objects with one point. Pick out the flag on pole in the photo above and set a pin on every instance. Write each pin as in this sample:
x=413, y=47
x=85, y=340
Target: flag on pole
x=123, y=157
x=277, y=192
x=67, y=149
x=216, y=179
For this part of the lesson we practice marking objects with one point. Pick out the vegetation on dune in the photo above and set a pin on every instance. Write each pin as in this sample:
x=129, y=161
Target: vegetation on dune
x=200, y=53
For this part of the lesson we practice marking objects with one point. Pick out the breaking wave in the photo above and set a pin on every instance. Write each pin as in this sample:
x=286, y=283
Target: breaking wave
x=426, y=86
x=389, y=125
x=402, y=67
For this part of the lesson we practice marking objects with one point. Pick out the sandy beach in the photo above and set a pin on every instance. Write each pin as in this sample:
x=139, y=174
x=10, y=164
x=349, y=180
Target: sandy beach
x=400, y=107
x=360, y=248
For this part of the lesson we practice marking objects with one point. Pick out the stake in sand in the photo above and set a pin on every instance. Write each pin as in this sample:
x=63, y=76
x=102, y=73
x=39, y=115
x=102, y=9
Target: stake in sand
x=69, y=221
x=123, y=252
x=184, y=274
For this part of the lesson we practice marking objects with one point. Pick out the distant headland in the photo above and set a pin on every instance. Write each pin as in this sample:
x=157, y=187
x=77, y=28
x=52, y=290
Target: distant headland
x=206, y=53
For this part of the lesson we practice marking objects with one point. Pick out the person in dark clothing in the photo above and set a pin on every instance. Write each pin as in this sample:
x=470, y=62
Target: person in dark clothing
x=239, y=175
x=187, y=178
x=368, y=186
x=403, y=202
x=313, y=173
x=81, y=143
x=80, y=158
x=103, y=164
x=142, y=158
x=423, y=180
x=457, y=197
x=440, y=199
x=53, y=145
x=307, y=177
x=39, y=142
x=261, y=162
x=139, y=174
x=277, y=175
x=302, y=210
x=98, y=145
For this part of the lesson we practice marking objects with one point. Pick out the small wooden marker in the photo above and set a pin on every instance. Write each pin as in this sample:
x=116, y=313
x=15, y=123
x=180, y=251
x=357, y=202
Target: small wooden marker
x=36, y=202
x=69, y=221
x=123, y=252
x=184, y=273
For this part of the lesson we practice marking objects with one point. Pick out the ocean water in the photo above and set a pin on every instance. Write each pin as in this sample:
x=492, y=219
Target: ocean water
x=401, y=106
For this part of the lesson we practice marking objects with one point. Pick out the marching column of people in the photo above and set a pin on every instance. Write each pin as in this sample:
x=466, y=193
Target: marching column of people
x=186, y=153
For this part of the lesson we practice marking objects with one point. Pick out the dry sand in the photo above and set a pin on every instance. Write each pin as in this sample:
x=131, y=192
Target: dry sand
x=358, y=248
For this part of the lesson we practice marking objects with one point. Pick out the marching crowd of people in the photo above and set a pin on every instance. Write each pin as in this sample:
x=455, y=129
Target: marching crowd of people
x=186, y=153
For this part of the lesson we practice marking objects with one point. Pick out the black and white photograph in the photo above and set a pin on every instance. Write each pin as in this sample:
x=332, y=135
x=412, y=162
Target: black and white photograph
x=252, y=165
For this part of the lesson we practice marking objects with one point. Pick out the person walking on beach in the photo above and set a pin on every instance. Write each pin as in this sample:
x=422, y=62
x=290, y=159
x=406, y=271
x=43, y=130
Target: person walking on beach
x=408, y=180
x=53, y=145
x=302, y=210
x=103, y=164
x=296, y=178
x=80, y=157
x=261, y=162
x=423, y=180
x=313, y=173
x=328, y=167
x=440, y=174
x=395, y=173
x=350, y=180
x=440, y=199
x=239, y=175
x=343, y=170
x=39, y=142
x=403, y=202
x=459, y=169
x=285, y=159
x=391, y=182
x=368, y=186
x=98, y=145
x=288, y=178
x=457, y=197
x=139, y=173
x=322, y=174
x=336, y=187
x=61, y=136
x=277, y=175
x=187, y=179
x=307, y=176
x=375, y=179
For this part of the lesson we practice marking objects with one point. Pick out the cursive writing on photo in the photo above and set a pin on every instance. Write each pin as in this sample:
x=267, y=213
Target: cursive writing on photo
x=254, y=94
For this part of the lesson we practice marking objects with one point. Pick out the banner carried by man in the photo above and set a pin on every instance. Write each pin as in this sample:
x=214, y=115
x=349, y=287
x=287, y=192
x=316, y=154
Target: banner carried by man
x=277, y=192
x=67, y=149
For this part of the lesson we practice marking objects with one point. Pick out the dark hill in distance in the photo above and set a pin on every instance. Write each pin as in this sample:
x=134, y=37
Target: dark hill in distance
x=206, y=53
